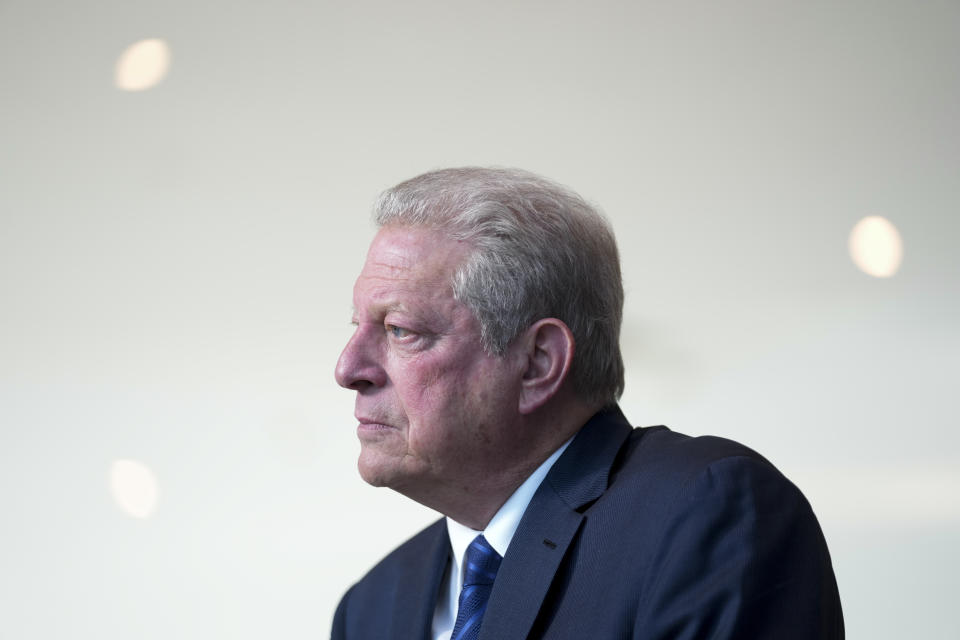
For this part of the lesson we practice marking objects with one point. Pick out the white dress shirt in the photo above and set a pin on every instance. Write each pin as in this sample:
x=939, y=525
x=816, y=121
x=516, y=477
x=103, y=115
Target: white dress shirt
x=499, y=533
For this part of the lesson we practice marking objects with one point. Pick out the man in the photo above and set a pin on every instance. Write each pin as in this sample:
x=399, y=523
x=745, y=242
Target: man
x=486, y=366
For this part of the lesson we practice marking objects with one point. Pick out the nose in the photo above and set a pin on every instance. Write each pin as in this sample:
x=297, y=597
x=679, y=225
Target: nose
x=358, y=367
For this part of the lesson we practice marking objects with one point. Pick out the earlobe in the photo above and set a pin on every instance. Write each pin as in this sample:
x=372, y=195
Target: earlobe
x=550, y=347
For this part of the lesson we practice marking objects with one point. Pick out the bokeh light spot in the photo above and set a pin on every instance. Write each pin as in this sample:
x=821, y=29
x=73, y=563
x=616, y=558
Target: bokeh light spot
x=134, y=488
x=876, y=247
x=142, y=65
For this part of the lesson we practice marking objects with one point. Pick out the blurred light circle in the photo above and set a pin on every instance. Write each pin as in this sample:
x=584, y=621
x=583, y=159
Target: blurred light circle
x=134, y=487
x=876, y=247
x=142, y=65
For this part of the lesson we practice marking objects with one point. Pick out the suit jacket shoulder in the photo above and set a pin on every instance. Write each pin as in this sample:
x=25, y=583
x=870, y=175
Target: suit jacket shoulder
x=691, y=538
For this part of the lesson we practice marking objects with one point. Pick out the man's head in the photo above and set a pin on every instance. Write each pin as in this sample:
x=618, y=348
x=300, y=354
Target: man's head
x=488, y=310
x=538, y=250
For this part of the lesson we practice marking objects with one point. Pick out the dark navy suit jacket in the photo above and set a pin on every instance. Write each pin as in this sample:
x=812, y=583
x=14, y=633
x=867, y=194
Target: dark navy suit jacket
x=634, y=534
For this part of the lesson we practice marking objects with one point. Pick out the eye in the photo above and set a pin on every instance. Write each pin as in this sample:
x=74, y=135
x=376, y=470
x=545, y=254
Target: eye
x=398, y=332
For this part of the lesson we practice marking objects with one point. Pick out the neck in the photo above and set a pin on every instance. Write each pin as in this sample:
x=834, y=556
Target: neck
x=475, y=500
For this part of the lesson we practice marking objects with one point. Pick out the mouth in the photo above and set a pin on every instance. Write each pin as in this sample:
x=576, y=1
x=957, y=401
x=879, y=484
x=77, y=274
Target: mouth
x=371, y=427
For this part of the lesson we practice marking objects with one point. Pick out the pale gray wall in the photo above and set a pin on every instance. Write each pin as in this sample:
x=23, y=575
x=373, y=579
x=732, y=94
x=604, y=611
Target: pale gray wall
x=176, y=266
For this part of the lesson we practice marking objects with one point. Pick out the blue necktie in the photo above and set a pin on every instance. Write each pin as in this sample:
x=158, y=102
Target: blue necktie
x=482, y=565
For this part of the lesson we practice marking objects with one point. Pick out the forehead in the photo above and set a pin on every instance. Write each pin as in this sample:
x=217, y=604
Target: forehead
x=406, y=259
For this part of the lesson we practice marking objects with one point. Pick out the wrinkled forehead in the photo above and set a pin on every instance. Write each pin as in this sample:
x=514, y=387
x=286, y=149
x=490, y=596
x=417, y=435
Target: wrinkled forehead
x=414, y=252
x=411, y=272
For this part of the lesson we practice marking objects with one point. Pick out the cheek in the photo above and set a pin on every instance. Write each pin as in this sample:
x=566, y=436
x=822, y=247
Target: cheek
x=443, y=391
x=438, y=409
x=426, y=383
x=425, y=402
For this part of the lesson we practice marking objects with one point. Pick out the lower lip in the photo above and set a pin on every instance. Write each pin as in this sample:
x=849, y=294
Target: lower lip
x=372, y=428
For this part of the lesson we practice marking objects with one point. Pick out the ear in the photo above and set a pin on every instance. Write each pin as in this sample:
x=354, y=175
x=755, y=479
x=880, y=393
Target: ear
x=549, y=346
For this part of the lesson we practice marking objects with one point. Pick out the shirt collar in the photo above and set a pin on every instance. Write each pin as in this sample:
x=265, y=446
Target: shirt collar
x=503, y=525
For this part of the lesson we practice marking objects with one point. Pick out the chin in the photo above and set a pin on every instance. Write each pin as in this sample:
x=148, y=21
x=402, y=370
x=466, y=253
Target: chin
x=369, y=476
x=373, y=473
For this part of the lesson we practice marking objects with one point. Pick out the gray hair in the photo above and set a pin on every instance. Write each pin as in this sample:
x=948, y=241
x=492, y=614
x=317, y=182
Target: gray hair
x=539, y=251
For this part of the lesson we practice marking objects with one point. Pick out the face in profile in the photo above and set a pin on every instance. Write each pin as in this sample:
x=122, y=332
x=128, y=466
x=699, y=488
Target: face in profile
x=430, y=401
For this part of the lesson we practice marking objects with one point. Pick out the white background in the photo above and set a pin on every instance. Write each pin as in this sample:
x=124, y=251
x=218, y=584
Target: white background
x=176, y=267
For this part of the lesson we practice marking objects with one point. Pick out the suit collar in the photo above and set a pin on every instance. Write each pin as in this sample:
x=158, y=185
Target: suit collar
x=549, y=525
x=582, y=474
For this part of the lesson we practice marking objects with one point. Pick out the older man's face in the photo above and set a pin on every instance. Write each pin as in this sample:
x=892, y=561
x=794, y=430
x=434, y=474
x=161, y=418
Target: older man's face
x=432, y=405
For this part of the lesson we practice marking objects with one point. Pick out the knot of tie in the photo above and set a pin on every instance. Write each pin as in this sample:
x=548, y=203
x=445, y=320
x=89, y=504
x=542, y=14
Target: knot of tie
x=482, y=565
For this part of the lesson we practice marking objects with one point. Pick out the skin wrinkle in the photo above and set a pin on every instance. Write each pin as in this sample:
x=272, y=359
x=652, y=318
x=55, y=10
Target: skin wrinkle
x=438, y=381
x=462, y=427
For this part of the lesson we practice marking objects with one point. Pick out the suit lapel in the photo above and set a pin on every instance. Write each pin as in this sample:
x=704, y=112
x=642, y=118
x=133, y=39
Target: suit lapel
x=550, y=524
x=414, y=606
x=531, y=562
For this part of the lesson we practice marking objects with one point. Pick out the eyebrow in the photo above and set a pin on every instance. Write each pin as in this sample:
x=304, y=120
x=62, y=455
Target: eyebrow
x=384, y=308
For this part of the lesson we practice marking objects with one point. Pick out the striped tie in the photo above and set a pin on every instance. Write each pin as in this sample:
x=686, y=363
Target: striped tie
x=482, y=565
